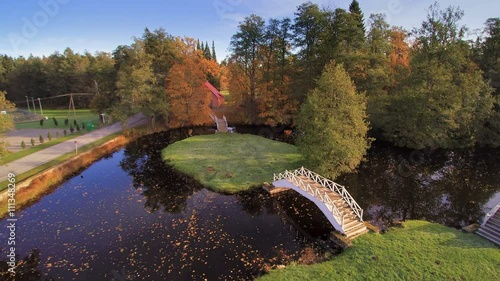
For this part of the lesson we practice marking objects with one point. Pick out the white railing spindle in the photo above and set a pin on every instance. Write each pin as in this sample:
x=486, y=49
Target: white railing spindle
x=337, y=188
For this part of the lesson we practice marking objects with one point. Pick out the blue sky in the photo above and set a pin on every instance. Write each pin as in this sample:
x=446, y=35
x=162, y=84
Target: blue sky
x=40, y=27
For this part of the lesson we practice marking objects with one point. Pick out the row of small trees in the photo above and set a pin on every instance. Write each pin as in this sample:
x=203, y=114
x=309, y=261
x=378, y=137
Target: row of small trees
x=41, y=139
x=66, y=122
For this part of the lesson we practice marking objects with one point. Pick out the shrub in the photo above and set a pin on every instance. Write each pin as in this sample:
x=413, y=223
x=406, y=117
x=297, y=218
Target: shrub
x=32, y=142
x=75, y=123
x=77, y=127
x=57, y=134
x=40, y=138
x=55, y=121
x=83, y=125
x=66, y=122
x=65, y=132
x=49, y=136
x=71, y=129
x=23, y=145
x=41, y=122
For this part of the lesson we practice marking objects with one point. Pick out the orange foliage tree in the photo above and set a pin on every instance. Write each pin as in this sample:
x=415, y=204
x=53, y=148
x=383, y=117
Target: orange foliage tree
x=224, y=77
x=189, y=99
x=275, y=104
x=399, y=56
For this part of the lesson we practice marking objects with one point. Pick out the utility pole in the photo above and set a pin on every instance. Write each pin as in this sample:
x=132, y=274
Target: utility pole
x=28, y=103
x=33, y=101
x=40, y=103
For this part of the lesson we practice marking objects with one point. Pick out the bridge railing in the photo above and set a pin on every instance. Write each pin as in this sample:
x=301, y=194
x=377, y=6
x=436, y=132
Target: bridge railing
x=333, y=186
x=490, y=214
x=314, y=191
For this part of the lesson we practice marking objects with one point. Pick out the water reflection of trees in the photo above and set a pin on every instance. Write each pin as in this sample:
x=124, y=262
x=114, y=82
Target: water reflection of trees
x=255, y=202
x=162, y=186
x=26, y=269
x=445, y=187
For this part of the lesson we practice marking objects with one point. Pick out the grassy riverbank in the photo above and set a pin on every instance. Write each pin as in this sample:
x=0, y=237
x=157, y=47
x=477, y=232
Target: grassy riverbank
x=419, y=251
x=231, y=162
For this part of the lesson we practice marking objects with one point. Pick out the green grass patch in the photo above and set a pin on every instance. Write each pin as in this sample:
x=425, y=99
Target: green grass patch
x=82, y=115
x=231, y=162
x=419, y=251
x=30, y=150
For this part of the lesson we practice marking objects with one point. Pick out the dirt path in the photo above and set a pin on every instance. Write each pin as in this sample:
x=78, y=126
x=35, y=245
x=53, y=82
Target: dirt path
x=41, y=157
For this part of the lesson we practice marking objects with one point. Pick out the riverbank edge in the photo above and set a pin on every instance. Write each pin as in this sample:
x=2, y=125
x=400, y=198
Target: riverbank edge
x=29, y=189
x=396, y=255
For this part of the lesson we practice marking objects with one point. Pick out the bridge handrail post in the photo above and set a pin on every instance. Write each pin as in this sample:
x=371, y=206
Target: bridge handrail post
x=292, y=177
x=490, y=214
x=335, y=187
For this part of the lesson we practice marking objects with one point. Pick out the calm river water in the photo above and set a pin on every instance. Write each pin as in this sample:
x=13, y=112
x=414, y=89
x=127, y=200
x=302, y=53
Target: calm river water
x=129, y=217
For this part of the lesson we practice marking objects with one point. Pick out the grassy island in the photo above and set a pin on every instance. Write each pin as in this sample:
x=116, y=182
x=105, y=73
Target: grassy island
x=231, y=163
x=419, y=251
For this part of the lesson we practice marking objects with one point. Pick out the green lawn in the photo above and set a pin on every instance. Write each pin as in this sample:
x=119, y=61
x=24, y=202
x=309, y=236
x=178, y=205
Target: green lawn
x=82, y=115
x=231, y=162
x=419, y=251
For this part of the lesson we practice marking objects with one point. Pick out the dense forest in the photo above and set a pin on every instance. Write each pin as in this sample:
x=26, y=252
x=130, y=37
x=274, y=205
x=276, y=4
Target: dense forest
x=430, y=87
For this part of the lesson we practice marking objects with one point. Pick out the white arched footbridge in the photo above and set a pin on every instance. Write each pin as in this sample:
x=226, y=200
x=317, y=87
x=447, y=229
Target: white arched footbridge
x=345, y=215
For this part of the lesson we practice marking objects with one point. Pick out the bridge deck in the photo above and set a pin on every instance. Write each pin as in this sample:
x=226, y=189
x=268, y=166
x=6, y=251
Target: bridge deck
x=352, y=226
x=338, y=208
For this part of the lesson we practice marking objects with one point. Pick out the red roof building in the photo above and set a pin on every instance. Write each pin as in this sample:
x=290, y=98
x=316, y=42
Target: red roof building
x=217, y=98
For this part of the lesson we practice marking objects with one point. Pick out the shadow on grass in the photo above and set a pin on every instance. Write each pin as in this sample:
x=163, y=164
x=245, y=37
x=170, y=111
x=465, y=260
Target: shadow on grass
x=451, y=237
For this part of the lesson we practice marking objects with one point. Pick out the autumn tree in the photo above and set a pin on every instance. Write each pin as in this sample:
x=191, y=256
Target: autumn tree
x=490, y=60
x=160, y=47
x=187, y=96
x=245, y=45
x=7, y=65
x=102, y=74
x=309, y=28
x=138, y=88
x=399, y=53
x=224, y=76
x=445, y=100
x=275, y=101
x=377, y=78
x=322, y=35
x=332, y=124
x=490, y=64
x=141, y=76
x=6, y=122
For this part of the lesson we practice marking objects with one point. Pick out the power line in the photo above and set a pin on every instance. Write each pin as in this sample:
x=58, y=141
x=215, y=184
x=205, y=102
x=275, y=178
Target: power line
x=59, y=96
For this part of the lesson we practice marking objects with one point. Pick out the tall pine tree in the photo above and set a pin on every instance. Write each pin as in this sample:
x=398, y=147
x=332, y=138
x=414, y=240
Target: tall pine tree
x=206, y=51
x=214, y=56
x=356, y=26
